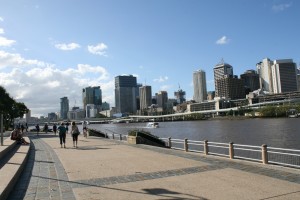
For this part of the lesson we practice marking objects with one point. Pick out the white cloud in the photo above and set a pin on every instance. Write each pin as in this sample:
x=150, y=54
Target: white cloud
x=1, y=31
x=281, y=7
x=41, y=85
x=9, y=60
x=1, y=19
x=222, y=40
x=99, y=49
x=6, y=42
x=165, y=87
x=67, y=47
x=161, y=79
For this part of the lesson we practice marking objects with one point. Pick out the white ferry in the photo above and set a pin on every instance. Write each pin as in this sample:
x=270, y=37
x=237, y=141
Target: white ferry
x=152, y=125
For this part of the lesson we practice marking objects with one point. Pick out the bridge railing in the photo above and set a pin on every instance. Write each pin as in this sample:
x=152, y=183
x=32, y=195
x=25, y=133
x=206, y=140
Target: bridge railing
x=264, y=154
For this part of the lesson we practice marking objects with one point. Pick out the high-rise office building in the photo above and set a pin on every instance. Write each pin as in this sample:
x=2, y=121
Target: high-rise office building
x=251, y=80
x=64, y=107
x=125, y=93
x=162, y=99
x=92, y=95
x=220, y=70
x=145, y=97
x=199, y=81
x=231, y=87
x=265, y=75
x=284, y=73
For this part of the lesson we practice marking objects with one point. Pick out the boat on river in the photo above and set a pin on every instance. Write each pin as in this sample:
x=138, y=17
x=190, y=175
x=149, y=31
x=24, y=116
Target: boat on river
x=292, y=113
x=152, y=125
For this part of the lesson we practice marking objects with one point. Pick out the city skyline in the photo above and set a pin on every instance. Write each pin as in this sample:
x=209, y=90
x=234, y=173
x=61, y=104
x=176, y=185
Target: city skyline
x=49, y=50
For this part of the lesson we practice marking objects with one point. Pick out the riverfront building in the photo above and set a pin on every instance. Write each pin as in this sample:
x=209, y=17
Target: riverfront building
x=145, y=97
x=199, y=81
x=251, y=80
x=220, y=70
x=277, y=76
x=64, y=107
x=162, y=100
x=230, y=87
x=284, y=73
x=125, y=94
x=92, y=95
x=265, y=75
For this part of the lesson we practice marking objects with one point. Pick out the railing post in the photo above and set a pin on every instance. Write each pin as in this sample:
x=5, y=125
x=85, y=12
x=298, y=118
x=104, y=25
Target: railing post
x=186, y=146
x=169, y=142
x=264, y=154
x=231, y=151
x=120, y=137
x=113, y=136
x=205, y=147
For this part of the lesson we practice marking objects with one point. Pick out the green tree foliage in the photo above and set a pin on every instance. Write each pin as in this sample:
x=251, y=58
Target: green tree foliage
x=10, y=108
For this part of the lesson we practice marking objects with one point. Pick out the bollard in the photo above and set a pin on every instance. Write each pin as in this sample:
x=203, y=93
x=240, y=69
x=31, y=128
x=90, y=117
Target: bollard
x=264, y=154
x=231, y=151
x=120, y=137
x=170, y=142
x=186, y=146
x=113, y=136
x=205, y=147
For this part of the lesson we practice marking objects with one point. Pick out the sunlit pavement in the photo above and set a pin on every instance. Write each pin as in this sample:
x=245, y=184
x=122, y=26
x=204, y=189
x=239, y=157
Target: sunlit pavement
x=107, y=169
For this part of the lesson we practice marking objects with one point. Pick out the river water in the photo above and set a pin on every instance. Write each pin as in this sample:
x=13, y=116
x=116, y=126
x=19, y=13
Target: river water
x=275, y=132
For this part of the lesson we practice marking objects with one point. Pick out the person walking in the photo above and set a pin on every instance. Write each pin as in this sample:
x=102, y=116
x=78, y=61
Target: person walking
x=67, y=126
x=37, y=127
x=62, y=134
x=26, y=127
x=54, y=128
x=84, y=129
x=75, y=132
x=46, y=128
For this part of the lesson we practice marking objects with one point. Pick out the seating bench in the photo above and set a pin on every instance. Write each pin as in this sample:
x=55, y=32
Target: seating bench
x=12, y=170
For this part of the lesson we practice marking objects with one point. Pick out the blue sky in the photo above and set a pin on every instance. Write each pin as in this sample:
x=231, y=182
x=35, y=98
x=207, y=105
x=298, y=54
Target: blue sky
x=52, y=49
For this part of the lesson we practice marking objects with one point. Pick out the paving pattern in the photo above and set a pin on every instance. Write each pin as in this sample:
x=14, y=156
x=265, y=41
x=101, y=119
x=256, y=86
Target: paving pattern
x=45, y=178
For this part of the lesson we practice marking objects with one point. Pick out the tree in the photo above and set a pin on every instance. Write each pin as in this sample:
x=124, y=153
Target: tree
x=10, y=108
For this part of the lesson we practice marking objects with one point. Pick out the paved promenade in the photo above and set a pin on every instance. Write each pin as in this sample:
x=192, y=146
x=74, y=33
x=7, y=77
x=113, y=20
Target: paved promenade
x=106, y=169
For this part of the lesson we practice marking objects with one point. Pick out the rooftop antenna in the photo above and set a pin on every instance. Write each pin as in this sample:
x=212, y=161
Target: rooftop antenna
x=222, y=61
x=179, y=86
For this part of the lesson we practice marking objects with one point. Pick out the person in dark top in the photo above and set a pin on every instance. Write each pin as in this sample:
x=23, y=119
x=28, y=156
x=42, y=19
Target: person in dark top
x=62, y=134
x=37, y=127
x=46, y=128
x=54, y=129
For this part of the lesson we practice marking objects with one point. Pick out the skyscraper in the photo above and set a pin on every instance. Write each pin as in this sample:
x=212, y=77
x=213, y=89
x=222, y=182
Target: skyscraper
x=162, y=99
x=125, y=93
x=284, y=73
x=231, y=87
x=145, y=97
x=220, y=70
x=92, y=95
x=64, y=107
x=180, y=96
x=200, y=91
x=251, y=80
x=265, y=75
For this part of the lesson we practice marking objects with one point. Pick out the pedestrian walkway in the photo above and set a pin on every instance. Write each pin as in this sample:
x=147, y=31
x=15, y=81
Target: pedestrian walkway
x=107, y=169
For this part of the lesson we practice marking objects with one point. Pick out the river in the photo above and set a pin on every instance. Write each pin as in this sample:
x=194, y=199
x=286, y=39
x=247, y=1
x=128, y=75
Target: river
x=275, y=132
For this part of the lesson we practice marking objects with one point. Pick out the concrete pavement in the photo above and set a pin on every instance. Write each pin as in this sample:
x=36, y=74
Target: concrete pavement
x=107, y=169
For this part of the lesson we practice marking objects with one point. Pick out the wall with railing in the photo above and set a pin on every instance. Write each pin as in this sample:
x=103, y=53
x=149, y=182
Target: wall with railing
x=264, y=154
